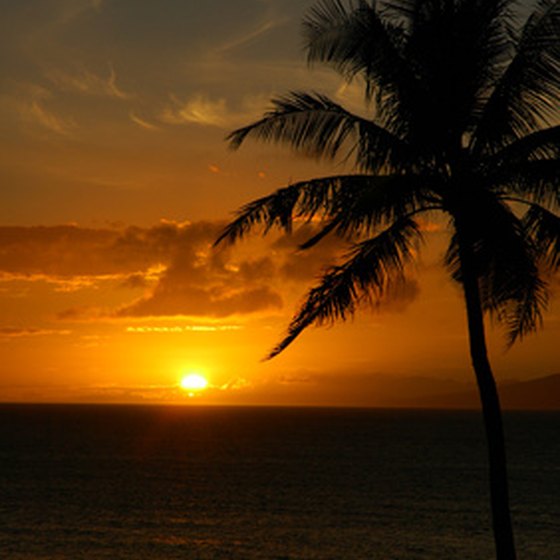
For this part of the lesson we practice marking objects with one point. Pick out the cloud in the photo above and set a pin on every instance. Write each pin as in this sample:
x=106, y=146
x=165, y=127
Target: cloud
x=136, y=280
x=250, y=36
x=202, y=109
x=36, y=113
x=49, y=120
x=173, y=300
x=33, y=103
x=29, y=103
x=399, y=296
x=351, y=95
x=142, y=123
x=200, y=282
x=71, y=251
x=179, y=329
x=198, y=109
x=25, y=332
x=82, y=313
x=174, y=268
x=172, y=263
x=86, y=82
x=68, y=283
x=307, y=267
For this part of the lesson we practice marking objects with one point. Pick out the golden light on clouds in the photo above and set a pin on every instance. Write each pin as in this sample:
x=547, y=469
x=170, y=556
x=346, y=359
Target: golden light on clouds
x=114, y=114
x=175, y=329
x=199, y=109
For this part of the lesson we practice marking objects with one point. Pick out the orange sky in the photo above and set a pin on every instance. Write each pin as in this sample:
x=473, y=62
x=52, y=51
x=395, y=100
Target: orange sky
x=115, y=180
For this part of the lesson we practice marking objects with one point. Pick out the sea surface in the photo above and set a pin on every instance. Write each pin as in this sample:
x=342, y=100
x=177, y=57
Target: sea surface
x=134, y=482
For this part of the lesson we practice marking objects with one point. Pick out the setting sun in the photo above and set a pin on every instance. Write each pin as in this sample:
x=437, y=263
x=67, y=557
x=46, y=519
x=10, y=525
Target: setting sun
x=194, y=382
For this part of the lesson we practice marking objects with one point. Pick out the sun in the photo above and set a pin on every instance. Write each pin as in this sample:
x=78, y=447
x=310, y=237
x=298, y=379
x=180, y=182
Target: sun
x=193, y=382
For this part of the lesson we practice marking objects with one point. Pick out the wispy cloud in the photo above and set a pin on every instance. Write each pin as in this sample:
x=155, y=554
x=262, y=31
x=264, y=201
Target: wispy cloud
x=69, y=283
x=198, y=109
x=25, y=332
x=142, y=122
x=204, y=110
x=252, y=35
x=31, y=103
x=86, y=82
x=181, y=299
x=37, y=113
x=178, y=329
x=351, y=95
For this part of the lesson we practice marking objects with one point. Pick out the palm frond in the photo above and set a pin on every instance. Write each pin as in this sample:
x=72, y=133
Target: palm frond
x=417, y=13
x=370, y=268
x=544, y=227
x=302, y=199
x=522, y=313
x=527, y=95
x=506, y=265
x=457, y=92
x=359, y=40
x=275, y=209
x=385, y=200
x=535, y=181
x=481, y=49
x=372, y=204
x=453, y=51
x=318, y=127
x=540, y=144
x=326, y=230
x=355, y=40
x=351, y=205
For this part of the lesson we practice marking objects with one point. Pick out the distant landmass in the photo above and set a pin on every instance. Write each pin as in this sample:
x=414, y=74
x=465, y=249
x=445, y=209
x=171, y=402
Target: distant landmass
x=542, y=393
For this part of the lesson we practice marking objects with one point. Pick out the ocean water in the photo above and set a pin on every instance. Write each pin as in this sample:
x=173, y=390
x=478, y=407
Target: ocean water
x=125, y=482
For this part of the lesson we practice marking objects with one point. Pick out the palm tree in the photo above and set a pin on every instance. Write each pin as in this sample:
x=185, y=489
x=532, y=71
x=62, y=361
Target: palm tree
x=461, y=120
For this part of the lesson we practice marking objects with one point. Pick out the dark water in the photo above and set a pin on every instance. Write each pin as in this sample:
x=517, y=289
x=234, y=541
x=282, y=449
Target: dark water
x=241, y=483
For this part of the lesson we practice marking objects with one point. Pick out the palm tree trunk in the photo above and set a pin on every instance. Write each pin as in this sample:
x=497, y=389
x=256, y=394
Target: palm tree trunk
x=491, y=410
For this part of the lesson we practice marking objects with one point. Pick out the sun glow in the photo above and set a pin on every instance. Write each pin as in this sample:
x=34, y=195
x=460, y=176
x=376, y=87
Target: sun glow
x=193, y=382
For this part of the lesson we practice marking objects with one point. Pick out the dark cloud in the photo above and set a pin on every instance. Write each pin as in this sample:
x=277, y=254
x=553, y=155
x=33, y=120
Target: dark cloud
x=72, y=251
x=196, y=301
x=75, y=251
x=81, y=312
x=399, y=296
x=135, y=281
x=20, y=332
x=201, y=281
x=306, y=265
x=187, y=277
x=175, y=265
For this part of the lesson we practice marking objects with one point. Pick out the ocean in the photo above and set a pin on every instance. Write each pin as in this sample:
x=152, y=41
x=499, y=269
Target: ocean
x=144, y=482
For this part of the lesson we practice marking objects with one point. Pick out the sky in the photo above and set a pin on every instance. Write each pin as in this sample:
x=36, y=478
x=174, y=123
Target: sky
x=116, y=179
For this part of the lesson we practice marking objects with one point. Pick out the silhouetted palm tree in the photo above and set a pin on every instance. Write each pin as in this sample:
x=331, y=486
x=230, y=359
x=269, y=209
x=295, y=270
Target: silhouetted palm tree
x=461, y=119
